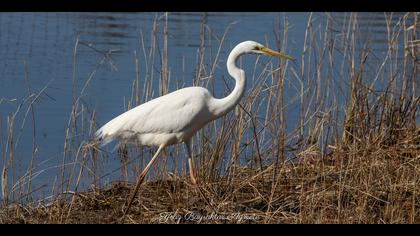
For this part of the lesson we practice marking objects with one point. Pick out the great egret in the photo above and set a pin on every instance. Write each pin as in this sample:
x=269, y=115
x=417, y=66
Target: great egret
x=177, y=116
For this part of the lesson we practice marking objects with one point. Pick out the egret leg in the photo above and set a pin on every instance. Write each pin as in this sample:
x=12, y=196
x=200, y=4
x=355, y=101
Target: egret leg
x=190, y=164
x=141, y=179
x=192, y=176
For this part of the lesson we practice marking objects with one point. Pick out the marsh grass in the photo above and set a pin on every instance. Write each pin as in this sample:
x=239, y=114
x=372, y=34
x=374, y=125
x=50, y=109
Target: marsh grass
x=352, y=156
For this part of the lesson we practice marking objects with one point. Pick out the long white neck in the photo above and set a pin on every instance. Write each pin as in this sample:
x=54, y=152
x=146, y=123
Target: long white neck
x=224, y=105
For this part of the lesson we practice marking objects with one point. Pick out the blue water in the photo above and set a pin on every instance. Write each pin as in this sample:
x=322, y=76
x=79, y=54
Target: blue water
x=42, y=44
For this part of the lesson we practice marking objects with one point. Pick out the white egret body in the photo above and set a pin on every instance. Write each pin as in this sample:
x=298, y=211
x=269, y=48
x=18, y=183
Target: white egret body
x=177, y=116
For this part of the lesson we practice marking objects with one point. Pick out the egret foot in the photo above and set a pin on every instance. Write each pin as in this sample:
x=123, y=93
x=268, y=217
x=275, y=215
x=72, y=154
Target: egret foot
x=194, y=182
x=140, y=180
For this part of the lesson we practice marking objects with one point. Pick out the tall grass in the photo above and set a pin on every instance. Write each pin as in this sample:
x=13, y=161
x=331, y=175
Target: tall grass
x=352, y=156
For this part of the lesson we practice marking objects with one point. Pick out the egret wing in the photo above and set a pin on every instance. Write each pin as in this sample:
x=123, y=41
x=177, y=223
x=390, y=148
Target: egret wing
x=174, y=112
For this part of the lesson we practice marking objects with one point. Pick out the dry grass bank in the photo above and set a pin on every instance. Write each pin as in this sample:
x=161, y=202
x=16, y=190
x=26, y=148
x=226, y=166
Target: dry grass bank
x=366, y=184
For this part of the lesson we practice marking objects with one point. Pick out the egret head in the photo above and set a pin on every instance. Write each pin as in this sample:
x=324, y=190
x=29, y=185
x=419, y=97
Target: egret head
x=257, y=48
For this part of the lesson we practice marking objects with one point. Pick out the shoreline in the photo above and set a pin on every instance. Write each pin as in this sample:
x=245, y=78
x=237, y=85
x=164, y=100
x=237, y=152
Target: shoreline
x=352, y=187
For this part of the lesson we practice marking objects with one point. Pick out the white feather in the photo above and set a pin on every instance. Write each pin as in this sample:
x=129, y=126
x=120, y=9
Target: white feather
x=168, y=119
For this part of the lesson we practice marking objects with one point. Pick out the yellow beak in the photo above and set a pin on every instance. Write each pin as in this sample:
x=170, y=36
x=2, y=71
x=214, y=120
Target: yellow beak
x=276, y=54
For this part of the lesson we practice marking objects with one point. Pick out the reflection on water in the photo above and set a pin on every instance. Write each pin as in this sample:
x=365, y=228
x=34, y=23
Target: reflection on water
x=373, y=26
x=45, y=42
